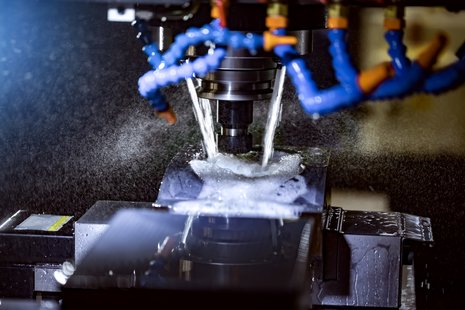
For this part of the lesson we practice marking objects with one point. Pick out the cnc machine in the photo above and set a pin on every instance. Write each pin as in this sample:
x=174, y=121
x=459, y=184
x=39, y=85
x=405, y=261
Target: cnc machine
x=231, y=227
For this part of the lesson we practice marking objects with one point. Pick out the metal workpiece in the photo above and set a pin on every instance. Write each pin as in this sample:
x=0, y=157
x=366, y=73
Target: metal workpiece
x=94, y=223
x=29, y=256
x=181, y=183
x=364, y=271
x=146, y=256
x=29, y=304
x=394, y=224
x=158, y=254
x=363, y=256
x=43, y=246
x=44, y=279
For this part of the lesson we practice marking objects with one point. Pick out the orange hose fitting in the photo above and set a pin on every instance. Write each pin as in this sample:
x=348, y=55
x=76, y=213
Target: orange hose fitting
x=430, y=54
x=222, y=6
x=275, y=22
x=337, y=22
x=270, y=40
x=215, y=13
x=393, y=24
x=219, y=10
x=370, y=79
x=169, y=116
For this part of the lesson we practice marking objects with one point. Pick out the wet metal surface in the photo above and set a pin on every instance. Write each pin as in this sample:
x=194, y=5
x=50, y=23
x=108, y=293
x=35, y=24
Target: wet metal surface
x=368, y=270
x=157, y=254
x=408, y=289
x=393, y=224
x=94, y=223
x=364, y=256
x=44, y=281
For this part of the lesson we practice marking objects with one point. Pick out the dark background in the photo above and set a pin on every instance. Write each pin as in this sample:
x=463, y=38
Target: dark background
x=73, y=130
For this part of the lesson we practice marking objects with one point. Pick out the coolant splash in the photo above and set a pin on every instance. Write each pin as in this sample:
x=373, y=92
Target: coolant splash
x=234, y=186
x=274, y=116
x=203, y=114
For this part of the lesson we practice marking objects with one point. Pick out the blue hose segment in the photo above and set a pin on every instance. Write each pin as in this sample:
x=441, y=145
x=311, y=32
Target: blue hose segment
x=237, y=40
x=332, y=100
x=157, y=100
x=401, y=85
x=214, y=33
x=346, y=74
x=397, y=50
x=150, y=82
x=412, y=77
x=152, y=51
x=445, y=79
x=297, y=70
x=193, y=36
x=313, y=101
x=150, y=48
x=166, y=70
x=409, y=76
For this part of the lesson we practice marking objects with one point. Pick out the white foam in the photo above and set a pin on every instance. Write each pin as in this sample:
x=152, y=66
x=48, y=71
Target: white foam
x=244, y=187
x=228, y=165
x=239, y=208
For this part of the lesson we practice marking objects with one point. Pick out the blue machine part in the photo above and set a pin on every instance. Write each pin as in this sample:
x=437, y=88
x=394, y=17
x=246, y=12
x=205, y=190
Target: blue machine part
x=166, y=68
x=410, y=76
x=314, y=101
x=151, y=81
x=445, y=79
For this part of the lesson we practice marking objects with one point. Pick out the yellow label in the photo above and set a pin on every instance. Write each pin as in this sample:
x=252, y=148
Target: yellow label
x=59, y=223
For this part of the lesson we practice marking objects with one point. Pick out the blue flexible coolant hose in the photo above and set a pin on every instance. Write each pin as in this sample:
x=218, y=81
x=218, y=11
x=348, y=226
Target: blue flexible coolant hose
x=155, y=79
x=409, y=76
x=314, y=101
x=445, y=79
x=166, y=69
x=214, y=33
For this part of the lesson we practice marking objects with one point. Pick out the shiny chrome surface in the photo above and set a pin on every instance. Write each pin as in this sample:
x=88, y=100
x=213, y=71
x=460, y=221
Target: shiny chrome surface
x=240, y=77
